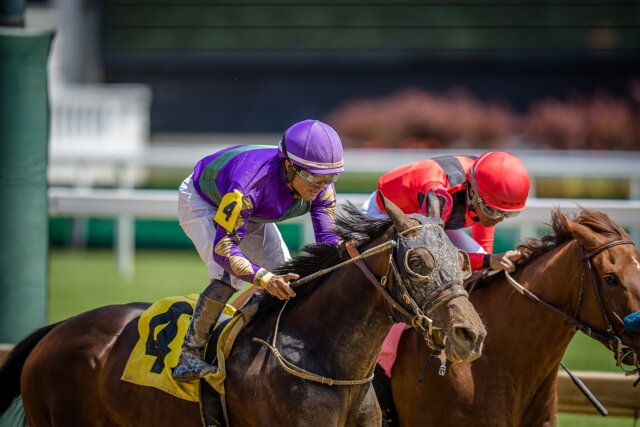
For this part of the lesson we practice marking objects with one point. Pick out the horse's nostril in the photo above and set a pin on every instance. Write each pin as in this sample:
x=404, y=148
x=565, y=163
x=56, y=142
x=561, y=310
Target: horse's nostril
x=463, y=334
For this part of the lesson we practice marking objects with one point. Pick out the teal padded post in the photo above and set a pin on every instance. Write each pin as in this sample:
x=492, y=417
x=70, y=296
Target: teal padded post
x=24, y=121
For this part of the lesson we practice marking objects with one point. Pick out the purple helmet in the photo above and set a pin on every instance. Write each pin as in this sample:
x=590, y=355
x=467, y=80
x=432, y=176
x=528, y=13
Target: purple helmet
x=314, y=146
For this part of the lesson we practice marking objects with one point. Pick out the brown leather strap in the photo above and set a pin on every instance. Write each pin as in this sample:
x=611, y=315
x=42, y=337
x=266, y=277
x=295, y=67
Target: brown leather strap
x=605, y=247
x=353, y=253
x=603, y=336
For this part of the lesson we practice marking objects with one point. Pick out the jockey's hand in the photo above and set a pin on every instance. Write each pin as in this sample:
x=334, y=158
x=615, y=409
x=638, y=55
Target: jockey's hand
x=278, y=286
x=504, y=261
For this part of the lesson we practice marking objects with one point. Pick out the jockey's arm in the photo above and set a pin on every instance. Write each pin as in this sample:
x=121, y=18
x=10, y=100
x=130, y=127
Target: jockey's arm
x=444, y=198
x=230, y=257
x=323, y=216
x=484, y=237
x=231, y=219
x=501, y=261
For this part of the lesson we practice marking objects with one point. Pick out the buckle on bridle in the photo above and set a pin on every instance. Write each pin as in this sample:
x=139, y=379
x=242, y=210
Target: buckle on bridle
x=420, y=320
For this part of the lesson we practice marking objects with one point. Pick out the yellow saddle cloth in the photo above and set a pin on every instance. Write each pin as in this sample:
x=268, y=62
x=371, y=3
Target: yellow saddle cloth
x=161, y=329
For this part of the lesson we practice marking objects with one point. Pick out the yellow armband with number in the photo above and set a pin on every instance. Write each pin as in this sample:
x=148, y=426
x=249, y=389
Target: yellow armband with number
x=229, y=210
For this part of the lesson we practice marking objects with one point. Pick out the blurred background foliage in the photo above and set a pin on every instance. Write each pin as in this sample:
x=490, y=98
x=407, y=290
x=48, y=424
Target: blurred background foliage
x=414, y=118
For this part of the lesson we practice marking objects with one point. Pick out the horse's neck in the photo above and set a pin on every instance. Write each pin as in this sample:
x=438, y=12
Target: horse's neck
x=347, y=321
x=541, y=334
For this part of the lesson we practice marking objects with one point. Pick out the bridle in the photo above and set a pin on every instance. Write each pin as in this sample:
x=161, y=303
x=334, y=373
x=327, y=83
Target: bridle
x=398, y=300
x=609, y=337
x=419, y=319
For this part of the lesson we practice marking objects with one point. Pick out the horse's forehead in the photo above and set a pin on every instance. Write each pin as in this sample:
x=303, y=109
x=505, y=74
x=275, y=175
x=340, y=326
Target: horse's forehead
x=628, y=257
x=430, y=234
x=625, y=263
x=632, y=282
x=633, y=269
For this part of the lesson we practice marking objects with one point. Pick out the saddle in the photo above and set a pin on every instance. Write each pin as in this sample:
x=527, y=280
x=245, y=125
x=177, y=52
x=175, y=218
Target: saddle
x=161, y=330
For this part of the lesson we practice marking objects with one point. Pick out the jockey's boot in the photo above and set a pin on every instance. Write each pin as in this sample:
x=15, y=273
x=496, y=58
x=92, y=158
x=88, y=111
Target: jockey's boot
x=191, y=365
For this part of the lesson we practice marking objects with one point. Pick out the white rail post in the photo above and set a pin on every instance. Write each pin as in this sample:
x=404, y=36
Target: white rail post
x=126, y=246
x=126, y=228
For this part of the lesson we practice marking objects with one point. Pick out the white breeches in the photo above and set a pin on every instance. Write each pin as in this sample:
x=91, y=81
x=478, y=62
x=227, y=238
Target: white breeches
x=262, y=243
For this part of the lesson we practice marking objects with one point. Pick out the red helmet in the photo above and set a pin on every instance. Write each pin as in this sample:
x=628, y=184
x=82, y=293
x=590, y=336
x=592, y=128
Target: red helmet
x=501, y=180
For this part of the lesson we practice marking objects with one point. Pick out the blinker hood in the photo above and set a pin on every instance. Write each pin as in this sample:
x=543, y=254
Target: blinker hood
x=447, y=268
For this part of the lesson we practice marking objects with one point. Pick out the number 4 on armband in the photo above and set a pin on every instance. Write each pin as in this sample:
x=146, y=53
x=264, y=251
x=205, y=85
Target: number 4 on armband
x=229, y=210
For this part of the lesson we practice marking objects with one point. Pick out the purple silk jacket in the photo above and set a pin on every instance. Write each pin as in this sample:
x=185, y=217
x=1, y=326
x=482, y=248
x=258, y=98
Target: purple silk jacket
x=257, y=172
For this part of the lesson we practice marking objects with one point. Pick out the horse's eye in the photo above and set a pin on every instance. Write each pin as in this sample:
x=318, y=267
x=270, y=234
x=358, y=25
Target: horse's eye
x=611, y=280
x=415, y=262
x=419, y=262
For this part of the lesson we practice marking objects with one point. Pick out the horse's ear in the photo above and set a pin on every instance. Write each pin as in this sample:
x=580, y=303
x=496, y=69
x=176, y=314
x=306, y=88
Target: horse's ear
x=434, y=205
x=400, y=220
x=585, y=235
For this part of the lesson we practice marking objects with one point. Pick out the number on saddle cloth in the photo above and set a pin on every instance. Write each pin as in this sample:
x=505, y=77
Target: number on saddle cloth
x=158, y=345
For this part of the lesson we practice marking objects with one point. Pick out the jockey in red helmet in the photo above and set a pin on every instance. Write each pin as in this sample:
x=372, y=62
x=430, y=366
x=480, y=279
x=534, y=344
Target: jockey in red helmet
x=474, y=193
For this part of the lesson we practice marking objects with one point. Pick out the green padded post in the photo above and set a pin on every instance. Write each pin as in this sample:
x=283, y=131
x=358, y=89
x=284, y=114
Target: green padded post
x=24, y=121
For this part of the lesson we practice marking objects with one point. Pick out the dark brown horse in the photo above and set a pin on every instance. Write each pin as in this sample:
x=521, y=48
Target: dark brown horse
x=588, y=269
x=69, y=373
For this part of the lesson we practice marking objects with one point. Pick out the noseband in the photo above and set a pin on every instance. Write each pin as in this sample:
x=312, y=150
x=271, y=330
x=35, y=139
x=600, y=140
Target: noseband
x=419, y=320
x=395, y=296
x=610, y=338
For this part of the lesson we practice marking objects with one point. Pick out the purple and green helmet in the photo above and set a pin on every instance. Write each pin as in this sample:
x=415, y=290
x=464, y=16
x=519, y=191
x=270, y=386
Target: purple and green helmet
x=314, y=146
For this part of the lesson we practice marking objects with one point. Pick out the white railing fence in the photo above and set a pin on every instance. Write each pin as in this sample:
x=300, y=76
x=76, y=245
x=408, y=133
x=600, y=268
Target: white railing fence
x=128, y=204
x=96, y=131
x=100, y=135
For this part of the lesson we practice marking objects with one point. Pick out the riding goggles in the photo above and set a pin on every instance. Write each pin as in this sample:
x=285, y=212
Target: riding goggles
x=316, y=179
x=494, y=213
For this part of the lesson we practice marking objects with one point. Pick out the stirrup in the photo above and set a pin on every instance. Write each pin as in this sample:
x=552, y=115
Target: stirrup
x=190, y=368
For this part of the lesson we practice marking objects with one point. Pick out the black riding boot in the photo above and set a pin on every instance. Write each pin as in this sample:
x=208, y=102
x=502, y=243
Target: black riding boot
x=191, y=365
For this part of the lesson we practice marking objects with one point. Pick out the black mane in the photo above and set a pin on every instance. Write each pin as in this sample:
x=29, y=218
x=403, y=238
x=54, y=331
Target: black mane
x=351, y=224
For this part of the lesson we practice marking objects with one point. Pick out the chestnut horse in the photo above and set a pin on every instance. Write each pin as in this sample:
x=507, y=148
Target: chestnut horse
x=587, y=275
x=69, y=373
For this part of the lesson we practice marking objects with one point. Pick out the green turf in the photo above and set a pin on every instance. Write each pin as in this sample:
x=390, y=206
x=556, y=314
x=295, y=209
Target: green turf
x=571, y=420
x=81, y=280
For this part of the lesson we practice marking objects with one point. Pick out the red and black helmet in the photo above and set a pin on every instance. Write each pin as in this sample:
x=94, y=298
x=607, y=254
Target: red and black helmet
x=501, y=180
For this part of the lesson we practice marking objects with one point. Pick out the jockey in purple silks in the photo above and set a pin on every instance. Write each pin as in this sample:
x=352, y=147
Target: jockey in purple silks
x=228, y=208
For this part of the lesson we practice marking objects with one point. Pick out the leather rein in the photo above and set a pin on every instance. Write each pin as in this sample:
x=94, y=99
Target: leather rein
x=420, y=319
x=610, y=338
